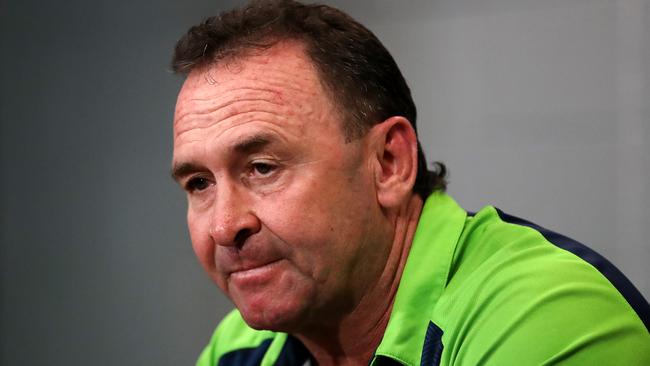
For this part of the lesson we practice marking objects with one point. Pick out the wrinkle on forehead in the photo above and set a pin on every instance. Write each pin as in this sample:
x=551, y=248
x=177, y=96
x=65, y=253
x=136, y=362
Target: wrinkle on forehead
x=278, y=94
x=202, y=104
x=229, y=111
x=269, y=120
x=205, y=113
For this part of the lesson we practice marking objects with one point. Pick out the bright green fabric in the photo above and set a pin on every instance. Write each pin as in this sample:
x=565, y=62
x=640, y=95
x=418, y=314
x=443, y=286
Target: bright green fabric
x=502, y=295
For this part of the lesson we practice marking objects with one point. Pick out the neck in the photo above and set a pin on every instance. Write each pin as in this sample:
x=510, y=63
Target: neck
x=354, y=339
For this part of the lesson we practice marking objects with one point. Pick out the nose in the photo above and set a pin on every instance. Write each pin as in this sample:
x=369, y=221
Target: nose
x=233, y=220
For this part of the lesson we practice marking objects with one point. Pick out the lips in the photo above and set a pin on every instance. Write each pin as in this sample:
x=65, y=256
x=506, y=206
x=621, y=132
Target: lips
x=254, y=263
x=253, y=275
x=253, y=267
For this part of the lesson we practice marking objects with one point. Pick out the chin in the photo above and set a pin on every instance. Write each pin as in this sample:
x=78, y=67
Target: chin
x=272, y=315
x=272, y=322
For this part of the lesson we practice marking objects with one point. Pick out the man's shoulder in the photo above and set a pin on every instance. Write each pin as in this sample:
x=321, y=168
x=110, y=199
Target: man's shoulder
x=502, y=246
x=513, y=283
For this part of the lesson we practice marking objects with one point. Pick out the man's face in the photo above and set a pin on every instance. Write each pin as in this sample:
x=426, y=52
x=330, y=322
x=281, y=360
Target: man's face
x=282, y=212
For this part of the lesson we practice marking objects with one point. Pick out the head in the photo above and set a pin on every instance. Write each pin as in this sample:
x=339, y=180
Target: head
x=358, y=73
x=294, y=137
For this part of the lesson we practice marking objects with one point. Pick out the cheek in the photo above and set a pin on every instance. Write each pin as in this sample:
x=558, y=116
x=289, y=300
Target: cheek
x=201, y=242
x=314, y=232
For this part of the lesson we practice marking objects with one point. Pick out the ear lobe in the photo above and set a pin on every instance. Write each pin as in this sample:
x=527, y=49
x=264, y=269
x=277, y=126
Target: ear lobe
x=397, y=156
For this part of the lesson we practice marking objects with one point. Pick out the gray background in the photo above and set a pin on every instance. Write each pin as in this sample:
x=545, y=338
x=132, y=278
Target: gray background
x=538, y=107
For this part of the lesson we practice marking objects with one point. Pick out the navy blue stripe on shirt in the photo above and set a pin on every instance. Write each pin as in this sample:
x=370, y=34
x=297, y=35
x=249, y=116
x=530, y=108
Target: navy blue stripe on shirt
x=613, y=274
x=432, y=349
x=293, y=353
x=245, y=356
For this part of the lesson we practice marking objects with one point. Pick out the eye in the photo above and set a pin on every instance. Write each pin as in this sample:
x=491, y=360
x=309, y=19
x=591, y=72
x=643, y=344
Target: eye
x=263, y=168
x=197, y=184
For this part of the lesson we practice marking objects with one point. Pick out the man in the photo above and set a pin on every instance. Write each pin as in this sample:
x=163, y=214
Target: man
x=310, y=205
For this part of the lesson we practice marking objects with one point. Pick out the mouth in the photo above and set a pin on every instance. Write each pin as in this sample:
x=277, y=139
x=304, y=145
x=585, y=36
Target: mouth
x=255, y=275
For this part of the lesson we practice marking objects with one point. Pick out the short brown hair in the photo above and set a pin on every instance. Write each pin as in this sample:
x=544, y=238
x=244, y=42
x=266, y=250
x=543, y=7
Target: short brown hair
x=360, y=74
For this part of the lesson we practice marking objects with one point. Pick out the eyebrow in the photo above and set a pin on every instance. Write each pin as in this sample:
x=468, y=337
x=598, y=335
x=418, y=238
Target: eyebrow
x=247, y=145
x=252, y=143
x=184, y=169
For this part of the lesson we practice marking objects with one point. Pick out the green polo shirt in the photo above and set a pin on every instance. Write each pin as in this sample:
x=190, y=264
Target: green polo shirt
x=480, y=289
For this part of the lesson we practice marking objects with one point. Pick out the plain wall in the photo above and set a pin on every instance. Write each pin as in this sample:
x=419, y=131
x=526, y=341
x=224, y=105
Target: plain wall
x=538, y=107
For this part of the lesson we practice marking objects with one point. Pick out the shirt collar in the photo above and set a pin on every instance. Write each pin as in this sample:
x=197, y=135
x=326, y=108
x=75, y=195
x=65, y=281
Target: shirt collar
x=423, y=280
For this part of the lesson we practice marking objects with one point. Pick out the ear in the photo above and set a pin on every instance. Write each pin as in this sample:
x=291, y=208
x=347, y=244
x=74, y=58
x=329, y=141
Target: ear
x=395, y=145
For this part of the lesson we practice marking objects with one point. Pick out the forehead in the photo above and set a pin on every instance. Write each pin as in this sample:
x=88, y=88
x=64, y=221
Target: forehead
x=280, y=82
